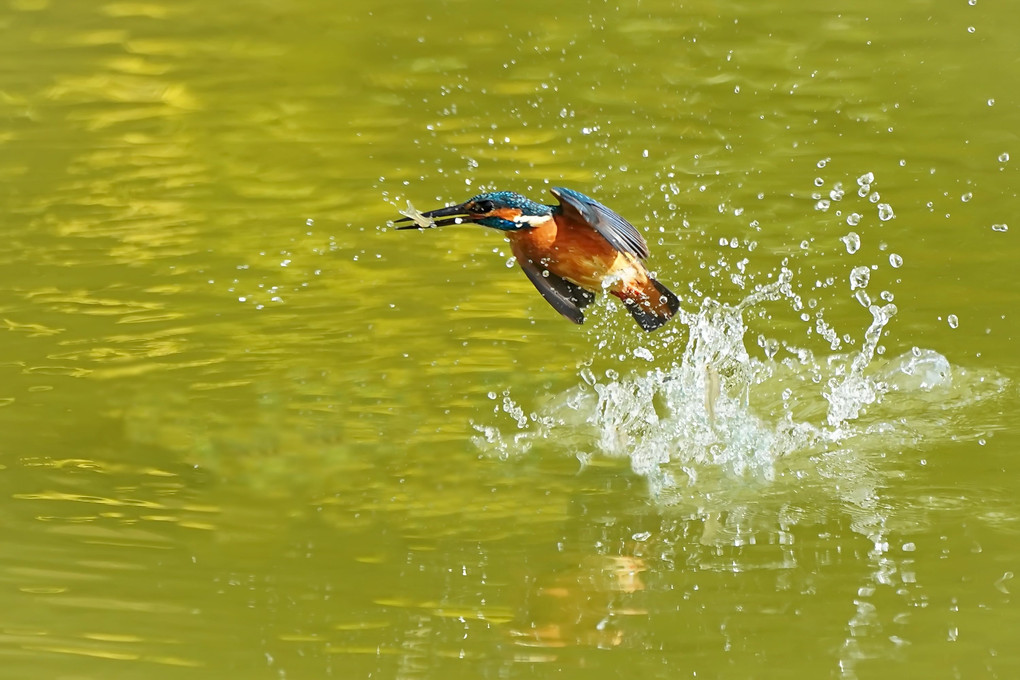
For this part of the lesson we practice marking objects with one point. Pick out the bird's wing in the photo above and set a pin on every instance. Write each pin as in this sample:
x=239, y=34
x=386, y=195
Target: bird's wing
x=620, y=233
x=566, y=298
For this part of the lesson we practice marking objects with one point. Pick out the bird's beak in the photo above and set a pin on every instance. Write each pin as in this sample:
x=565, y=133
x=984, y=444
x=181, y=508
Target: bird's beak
x=453, y=214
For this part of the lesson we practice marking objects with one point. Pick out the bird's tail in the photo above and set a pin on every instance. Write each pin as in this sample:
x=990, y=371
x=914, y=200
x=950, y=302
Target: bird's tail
x=653, y=307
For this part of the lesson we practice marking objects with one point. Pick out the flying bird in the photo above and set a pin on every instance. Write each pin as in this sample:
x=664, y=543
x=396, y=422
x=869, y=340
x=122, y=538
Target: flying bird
x=569, y=251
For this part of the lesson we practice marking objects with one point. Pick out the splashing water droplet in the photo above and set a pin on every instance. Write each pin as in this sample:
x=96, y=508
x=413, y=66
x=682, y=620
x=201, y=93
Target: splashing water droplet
x=953, y=321
x=515, y=411
x=822, y=205
x=885, y=212
x=852, y=242
x=1000, y=227
x=966, y=197
x=847, y=396
x=853, y=219
x=895, y=261
x=837, y=192
x=770, y=345
x=643, y=353
x=866, y=178
x=859, y=277
x=920, y=370
x=1003, y=157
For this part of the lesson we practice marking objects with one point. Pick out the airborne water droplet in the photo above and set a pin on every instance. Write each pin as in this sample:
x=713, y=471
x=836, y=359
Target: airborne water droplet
x=885, y=212
x=953, y=321
x=853, y=219
x=895, y=260
x=643, y=353
x=852, y=242
x=999, y=227
x=859, y=277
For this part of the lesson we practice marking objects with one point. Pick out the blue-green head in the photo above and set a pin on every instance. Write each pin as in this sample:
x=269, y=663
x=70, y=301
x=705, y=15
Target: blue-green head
x=503, y=210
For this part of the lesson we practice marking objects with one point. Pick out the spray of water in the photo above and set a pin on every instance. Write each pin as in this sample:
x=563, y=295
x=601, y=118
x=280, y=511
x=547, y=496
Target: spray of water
x=762, y=412
x=714, y=411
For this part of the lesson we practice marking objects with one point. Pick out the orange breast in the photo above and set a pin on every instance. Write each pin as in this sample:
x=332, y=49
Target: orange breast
x=580, y=254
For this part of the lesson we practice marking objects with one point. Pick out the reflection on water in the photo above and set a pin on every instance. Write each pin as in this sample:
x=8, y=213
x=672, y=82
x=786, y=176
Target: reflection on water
x=580, y=607
x=588, y=595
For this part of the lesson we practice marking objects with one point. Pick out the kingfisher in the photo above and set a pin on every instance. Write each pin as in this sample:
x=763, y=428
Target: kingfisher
x=569, y=251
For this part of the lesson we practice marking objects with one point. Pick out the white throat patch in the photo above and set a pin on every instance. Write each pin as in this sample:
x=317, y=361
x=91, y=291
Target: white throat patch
x=533, y=220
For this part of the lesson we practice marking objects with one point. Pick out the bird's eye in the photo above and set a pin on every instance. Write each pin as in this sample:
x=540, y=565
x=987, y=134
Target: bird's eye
x=482, y=207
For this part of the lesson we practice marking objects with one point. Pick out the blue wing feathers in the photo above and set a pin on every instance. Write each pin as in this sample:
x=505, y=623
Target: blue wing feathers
x=620, y=233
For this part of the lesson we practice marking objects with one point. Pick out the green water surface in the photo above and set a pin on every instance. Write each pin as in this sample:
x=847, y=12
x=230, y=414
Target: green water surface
x=251, y=431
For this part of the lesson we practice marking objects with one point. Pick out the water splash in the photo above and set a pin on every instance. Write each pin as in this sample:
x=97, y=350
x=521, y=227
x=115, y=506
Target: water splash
x=711, y=411
x=705, y=411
